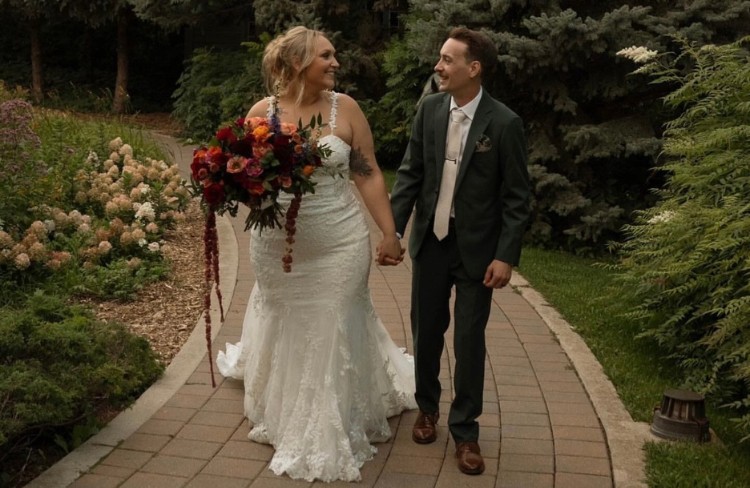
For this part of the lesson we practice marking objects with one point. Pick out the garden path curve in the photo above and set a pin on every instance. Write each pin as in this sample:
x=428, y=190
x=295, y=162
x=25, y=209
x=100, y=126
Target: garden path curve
x=551, y=417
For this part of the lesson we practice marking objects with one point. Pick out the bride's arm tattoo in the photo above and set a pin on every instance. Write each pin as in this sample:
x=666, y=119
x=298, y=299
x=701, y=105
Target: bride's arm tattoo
x=358, y=163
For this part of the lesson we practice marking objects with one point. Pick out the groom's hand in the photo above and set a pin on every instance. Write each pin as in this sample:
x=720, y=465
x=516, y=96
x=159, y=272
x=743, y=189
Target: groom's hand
x=498, y=274
x=390, y=252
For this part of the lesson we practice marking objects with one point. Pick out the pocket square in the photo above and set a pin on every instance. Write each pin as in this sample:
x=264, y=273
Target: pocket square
x=483, y=144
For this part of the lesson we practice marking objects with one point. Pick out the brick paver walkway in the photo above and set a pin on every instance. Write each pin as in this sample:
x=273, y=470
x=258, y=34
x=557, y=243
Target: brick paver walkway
x=539, y=427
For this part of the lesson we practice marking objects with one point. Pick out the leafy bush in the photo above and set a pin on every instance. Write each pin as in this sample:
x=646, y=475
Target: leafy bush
x=59, y=365
x=120, y=279
x=217, y=87
x=24, y=182
x=15, y=93
x=686, y=259
x=391, y=117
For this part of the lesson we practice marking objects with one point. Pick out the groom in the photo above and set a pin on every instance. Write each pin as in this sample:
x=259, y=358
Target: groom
x=465, y=170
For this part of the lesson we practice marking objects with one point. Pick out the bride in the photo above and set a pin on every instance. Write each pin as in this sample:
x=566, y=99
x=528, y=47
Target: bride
x=321, y=373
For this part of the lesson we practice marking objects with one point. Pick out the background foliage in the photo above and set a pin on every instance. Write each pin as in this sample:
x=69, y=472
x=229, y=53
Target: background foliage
x=593, y=132
x=686, y=261
x=206, y=96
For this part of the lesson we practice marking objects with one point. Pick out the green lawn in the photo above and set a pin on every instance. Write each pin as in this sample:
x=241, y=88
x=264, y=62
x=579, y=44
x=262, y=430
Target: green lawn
x=585, y=293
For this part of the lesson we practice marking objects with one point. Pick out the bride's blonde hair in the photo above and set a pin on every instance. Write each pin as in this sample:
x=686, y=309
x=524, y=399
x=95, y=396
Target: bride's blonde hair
x=295, y=47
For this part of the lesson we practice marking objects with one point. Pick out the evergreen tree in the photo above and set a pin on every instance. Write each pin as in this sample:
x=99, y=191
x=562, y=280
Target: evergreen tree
x=593, y=132
x=178, y=13
x=352, y=28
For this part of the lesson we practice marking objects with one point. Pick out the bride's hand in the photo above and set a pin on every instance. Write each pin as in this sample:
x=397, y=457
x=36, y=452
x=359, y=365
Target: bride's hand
x=390, y=252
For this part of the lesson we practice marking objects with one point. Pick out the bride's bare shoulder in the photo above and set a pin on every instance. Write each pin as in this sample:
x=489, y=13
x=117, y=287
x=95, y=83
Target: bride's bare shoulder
x=260, y=109
x=345, y=102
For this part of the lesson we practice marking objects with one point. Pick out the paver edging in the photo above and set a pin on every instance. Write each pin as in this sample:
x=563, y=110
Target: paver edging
x=625, y=437
x=80, y=460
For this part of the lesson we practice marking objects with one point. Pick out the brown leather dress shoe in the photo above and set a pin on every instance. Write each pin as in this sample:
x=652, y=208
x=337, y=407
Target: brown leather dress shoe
x=424, y=430
x=469, y=458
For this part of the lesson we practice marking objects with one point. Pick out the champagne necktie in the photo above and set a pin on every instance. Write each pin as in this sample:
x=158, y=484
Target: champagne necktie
x=448, y=181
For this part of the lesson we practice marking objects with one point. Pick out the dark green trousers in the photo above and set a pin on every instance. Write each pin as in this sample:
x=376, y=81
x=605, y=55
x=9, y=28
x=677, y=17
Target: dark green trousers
x=436, y=270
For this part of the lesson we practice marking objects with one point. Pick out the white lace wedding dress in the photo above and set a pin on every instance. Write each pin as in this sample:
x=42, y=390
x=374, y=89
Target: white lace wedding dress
x=321, y=373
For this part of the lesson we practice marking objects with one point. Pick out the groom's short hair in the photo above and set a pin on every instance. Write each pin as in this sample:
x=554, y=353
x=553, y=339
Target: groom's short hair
x=479, y=47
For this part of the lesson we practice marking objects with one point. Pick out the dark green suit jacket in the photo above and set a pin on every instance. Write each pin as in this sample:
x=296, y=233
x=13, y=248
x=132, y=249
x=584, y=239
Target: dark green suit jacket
x=491, y=199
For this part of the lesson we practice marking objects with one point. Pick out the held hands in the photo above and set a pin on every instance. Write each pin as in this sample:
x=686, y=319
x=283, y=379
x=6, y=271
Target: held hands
x=389, y=251
x=498, y=274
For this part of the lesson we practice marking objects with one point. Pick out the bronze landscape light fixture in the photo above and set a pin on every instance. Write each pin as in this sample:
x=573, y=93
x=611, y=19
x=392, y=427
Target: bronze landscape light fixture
x=681, y=416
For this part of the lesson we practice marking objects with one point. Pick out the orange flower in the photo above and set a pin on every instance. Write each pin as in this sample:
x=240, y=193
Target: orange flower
x=214, y=153
x=254, y=122
x=261, y=133
x=308, y=169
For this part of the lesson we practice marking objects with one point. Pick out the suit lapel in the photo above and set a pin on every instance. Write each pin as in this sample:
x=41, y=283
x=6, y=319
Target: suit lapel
x=478, y=125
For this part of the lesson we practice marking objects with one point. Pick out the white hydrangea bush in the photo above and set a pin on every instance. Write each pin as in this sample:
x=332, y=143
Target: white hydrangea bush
x=123, y=206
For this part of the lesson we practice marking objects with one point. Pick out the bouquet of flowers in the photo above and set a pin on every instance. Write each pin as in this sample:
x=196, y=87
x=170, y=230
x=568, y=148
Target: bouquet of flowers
x=252, y=162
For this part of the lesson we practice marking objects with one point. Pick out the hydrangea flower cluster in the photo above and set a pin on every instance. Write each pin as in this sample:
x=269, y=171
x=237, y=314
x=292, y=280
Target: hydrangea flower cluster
x=124, y=206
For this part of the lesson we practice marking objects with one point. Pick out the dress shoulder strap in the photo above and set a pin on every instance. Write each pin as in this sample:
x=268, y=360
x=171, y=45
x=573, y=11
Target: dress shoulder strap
x=334, y=108
x=271, y=106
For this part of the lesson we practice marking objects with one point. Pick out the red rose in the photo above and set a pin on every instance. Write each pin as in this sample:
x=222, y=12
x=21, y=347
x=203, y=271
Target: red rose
x=214, y=193
x=242, y=147
x=226, y=135
x=199, y=162
x=216, y=158
x=255, y=187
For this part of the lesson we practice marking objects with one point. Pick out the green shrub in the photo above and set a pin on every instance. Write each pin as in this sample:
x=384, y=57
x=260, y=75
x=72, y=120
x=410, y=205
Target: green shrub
x=391, y=117
x=216, y=87
x=25, y=180
x=686, y=259
x=15, y=93
x=59, y=365
x=119, y=279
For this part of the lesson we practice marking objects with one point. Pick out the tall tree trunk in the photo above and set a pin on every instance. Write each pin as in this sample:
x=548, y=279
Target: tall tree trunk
x=37, y=85
x=123, y=61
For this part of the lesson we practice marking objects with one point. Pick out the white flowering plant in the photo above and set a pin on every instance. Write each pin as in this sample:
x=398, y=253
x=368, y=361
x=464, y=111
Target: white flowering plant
x=122, y=207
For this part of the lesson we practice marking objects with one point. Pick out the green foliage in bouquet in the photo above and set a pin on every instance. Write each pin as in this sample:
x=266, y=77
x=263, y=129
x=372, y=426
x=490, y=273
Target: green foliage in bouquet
x=59, y=365
x=687, y=260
